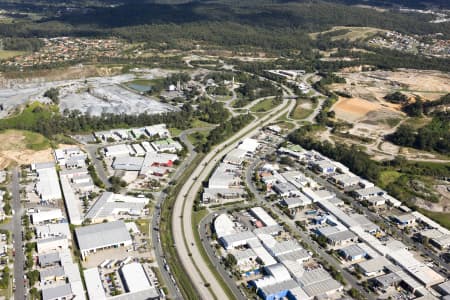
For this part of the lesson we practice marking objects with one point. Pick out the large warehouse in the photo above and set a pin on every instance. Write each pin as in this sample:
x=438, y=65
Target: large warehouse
x=101, y=236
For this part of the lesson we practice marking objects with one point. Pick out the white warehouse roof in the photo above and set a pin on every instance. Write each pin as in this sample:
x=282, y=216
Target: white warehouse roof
x=223, y=226
x=249, y=145
x=135, y=278
x=263, y=216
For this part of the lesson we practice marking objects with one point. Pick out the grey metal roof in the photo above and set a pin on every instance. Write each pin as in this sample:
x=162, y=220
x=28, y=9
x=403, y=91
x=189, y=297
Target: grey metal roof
x=278, y=287
x=313, y=276
x=49, y=258
x=322, y=287
x=353, y=251
x=57, y=292
x=102, y=235
x=388, y=279
x=374, y=265
x=342, y=236
x=56, y=271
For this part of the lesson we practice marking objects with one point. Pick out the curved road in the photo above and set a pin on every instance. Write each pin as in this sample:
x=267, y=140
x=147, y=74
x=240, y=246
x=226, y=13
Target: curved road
x=183, y=233
x=169, y=280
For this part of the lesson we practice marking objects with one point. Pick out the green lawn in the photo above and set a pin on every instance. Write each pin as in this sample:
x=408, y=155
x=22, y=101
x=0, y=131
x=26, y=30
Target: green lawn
x=387, y=177
x=175, y=131
x=196, y=123
x=264, y=105
x=145, y=82
x=300, y=113
x=36, y=141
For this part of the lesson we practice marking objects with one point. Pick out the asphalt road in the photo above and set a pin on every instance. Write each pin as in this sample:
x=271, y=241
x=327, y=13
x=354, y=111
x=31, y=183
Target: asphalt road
x=379, y=219
x=19, y=258
x=206, y=242
x=174, y=291
x=98, y=163
x=183, y=233
x=305, y=237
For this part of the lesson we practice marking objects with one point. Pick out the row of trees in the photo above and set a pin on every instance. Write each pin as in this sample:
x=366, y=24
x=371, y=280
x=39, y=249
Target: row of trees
x=224, y=131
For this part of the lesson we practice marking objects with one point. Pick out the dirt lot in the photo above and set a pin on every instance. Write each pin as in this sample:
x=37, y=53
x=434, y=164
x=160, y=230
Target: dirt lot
x=355, y=109
x=13, y=149
x=374, y=85
x=371, y=116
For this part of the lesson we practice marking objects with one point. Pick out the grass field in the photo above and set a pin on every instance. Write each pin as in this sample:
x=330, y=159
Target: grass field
x=31, y=115
x=417, y=122
x=35, y=141
x=440, y=217
x=175, y=131
x=145, y=82
x=264, y=105
x=388, y=177
x=196, y=123
x=6, y=54
x=300, y=113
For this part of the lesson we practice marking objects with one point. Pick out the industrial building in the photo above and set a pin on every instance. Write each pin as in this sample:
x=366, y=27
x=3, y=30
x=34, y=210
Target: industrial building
x=73, y=204
x=217, y=194
x=50, y=244
x=353, y=252
x=52, y=230
x=46, y=216
x=101, y=236
x=58, y=292
x=47, y=185
x=237, y=239
x=159, y=130
x=167, y=145
x=373, y=266
x=263, y=216
x=249, y=145
x=118, y=150
x=112, y=206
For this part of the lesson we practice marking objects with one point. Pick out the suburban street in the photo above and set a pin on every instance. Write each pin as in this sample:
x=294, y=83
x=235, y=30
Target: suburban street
x=19, y=258
x=182, y=212
x=305, y=237
x=98, y=163
x=206, y=242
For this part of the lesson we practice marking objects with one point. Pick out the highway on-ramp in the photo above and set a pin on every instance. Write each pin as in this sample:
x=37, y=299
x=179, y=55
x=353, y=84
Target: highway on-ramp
x=202, y=278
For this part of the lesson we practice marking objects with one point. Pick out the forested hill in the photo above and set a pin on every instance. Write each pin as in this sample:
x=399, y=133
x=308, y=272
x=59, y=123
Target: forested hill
x=306, y=15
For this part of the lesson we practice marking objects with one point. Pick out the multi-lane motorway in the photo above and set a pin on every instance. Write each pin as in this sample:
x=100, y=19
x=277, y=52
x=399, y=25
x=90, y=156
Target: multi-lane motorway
x=203, y=279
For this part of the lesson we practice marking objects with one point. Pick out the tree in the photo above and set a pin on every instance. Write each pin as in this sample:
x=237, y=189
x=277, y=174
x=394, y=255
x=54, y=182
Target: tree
x=53, y=94
x=33, y=277
x=230, y=261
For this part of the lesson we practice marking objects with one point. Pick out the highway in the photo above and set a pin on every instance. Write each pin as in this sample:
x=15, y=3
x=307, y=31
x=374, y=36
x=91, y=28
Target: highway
x=19, y=258
x=169, y=281
x=183, y=233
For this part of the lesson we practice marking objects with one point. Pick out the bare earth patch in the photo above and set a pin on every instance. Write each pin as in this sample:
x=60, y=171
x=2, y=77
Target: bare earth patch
x=354, y=109
x=13, y=150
